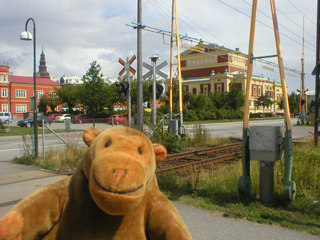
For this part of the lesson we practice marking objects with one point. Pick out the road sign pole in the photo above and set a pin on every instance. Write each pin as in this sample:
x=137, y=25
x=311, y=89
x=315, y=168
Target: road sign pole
x=154, y=112
x=129, y=91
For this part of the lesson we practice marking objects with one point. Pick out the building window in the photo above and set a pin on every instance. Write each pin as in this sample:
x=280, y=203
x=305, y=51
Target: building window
x=39, y=94
x=20, y=108
x=54, y=94
x=4, y=92
x=259, y=91
x=194, y=91
x=5, y=108
x=219, y=87
x=21, y=94
x=254, y=91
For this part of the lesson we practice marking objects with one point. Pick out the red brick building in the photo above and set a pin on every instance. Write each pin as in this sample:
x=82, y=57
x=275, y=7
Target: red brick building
x=16, y=91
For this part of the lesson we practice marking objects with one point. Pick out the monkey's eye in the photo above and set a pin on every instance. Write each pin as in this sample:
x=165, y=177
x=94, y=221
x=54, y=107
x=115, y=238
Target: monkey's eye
x=108, y=144
x=140, y=150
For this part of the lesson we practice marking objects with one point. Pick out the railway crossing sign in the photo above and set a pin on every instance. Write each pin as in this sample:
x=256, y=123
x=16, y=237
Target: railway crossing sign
x=158, y=72
x=126, y=65
x=125, y=87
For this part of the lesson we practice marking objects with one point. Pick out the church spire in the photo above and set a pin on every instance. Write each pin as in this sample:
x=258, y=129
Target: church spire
x=43, y=66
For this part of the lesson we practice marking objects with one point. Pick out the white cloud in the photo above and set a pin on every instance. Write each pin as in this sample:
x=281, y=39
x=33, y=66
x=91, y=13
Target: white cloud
x=74, y=33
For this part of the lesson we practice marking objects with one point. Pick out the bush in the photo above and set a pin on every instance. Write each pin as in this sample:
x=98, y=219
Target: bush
x=190, y=115
x=222, y=113
x=173, y=143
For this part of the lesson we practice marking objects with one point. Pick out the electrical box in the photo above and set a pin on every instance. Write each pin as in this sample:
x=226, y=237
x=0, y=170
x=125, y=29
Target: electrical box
x=67, y=124
x=173, y=126
x=266, y=143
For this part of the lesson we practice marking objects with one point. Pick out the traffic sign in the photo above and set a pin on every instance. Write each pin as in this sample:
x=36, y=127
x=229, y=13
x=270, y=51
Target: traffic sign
x=158, y=72
x=126, y=66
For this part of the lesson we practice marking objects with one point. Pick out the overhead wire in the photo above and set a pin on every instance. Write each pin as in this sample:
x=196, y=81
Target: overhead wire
x=266, y=15
x=164, y=7
x=302, y=13
x=286, y=16
x=183, y=17
x=243, y=13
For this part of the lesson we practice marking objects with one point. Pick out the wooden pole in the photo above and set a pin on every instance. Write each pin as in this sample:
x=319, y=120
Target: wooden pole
x=179, y=64
x=250, y=64
x=281, y=68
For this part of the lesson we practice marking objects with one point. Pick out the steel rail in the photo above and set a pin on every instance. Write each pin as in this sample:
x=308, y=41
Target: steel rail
x=199, y=164
x=202, y=152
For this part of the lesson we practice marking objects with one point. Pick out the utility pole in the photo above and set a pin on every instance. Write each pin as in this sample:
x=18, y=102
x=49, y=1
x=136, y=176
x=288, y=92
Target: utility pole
x=317, y=80
x=171, y=63
x=303, y=102
x=175, y=19
x=139, y=68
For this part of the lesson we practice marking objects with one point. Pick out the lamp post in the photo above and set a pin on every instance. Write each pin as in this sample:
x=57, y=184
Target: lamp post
x=27, y=36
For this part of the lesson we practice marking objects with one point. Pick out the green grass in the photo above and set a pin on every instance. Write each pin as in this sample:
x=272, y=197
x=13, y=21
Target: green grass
x=217, y=190
x=17, y=131
x=228, y=120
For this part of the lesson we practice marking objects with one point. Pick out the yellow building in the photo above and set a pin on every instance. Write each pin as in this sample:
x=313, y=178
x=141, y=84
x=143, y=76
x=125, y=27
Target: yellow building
x=213, y=68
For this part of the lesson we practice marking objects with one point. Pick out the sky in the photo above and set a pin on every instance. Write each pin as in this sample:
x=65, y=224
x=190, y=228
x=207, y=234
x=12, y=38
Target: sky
x=73, y=33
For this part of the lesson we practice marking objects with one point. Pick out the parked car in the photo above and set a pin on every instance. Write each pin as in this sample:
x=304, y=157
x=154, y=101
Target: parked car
x=53, y=116
x=5, y=117
x=63, y=117
x=28, y=122
x=81, y=118
x=118, y=119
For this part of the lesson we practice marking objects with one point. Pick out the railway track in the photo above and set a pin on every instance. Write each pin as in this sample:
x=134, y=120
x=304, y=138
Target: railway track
x=209, y=158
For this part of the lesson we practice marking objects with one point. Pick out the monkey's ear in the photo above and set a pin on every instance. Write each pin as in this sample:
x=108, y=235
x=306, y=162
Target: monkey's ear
x=90, y=134
x=160, y=152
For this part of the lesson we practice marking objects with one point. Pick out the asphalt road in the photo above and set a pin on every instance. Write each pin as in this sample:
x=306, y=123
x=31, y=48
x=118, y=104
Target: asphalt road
x=12, y=146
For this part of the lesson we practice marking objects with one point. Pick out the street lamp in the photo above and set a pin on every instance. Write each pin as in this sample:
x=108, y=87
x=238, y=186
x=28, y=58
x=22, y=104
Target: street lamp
x=154, y=59
x=27, y=36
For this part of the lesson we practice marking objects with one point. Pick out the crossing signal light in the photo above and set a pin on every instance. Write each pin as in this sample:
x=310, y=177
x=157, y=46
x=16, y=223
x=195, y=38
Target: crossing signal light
x=159, y=90
x=123, y=88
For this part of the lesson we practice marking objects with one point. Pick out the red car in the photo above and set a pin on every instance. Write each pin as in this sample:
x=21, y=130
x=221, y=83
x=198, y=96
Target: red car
x=52, y=116
x=118, y=119
x=81, y=118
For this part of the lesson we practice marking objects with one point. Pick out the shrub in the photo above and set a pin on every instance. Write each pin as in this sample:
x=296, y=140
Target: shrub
x=190, y=115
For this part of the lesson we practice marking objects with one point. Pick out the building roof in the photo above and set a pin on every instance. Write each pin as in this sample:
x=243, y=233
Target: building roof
x=29, y=80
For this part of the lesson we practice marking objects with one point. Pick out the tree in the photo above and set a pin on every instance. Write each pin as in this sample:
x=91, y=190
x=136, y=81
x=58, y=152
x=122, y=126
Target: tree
x=94, y=92
x=294, y=103
x=263, y=101
x=68, y=95
x=219, y=99
x=43, y=104
x=235, y=98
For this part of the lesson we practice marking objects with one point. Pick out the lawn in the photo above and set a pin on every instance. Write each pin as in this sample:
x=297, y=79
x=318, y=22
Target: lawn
x=18, y=131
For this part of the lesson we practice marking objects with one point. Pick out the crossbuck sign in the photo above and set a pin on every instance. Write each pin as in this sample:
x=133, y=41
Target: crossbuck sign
x=158, y=72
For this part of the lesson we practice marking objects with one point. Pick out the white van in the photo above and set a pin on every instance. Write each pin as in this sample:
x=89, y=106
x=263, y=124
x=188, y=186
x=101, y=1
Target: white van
x=5, y=117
